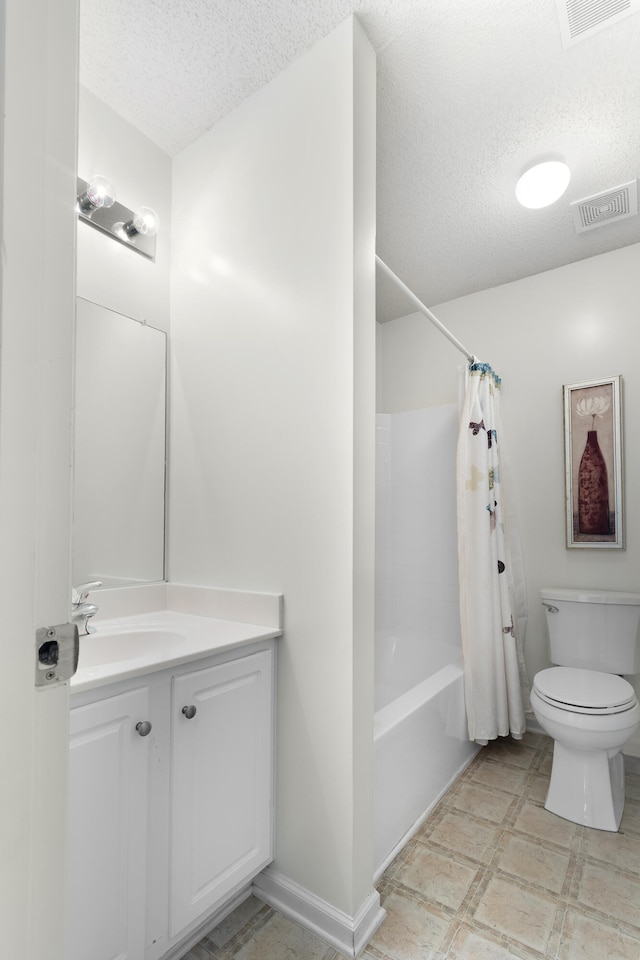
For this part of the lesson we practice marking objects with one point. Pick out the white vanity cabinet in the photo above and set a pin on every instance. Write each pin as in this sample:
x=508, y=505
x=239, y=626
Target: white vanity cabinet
x=166, y=829
x=221, y=783
x=108, y=787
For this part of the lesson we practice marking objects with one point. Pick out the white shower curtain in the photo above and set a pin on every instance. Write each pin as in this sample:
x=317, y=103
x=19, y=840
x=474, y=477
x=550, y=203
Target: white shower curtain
x=492, y=595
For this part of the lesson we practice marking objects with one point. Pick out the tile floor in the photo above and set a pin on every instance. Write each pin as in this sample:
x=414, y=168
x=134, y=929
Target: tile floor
x=490, y=875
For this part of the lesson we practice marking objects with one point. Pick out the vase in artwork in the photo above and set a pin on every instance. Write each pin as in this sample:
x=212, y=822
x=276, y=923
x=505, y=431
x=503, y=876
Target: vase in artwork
x=593, y=489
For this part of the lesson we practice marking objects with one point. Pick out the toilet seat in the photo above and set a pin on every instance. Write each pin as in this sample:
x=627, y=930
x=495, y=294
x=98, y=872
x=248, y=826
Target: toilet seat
x=584, y=691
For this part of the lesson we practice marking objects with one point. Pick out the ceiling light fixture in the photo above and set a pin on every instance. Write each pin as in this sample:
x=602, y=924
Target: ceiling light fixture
x=543, y=184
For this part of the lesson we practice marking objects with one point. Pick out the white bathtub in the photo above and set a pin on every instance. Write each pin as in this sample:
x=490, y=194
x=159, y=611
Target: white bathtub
x=420, y=747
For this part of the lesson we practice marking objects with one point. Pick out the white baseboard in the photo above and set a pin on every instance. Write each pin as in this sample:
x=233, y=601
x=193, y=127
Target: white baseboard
x=346, y=934
x=533, y=726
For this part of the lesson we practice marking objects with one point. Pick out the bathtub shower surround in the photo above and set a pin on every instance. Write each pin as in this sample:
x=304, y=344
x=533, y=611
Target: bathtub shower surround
x=417, y=621
x=421, y=741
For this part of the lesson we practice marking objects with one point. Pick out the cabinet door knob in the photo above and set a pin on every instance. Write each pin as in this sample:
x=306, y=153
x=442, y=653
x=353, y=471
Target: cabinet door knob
x=189, y=711
x=143, y=728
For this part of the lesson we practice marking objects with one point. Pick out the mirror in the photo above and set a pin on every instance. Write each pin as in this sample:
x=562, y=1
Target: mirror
x=120, y=435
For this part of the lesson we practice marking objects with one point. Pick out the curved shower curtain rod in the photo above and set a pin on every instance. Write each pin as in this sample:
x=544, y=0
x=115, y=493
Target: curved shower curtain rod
x=471, y=357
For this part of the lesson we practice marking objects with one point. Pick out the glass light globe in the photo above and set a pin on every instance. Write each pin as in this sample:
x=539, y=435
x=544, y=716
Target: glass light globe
x=145, y=221
x=100, y=192
x=543, y=184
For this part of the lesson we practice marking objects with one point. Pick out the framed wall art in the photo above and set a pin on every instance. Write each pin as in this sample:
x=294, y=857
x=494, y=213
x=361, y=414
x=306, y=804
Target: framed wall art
x=593, y=463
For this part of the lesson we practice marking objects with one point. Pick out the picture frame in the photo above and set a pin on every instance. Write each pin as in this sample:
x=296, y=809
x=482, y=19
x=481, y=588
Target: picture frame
x=593, y=464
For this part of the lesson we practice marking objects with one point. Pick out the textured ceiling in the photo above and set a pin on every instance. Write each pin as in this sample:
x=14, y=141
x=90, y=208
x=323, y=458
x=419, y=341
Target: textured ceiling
x=468, y=94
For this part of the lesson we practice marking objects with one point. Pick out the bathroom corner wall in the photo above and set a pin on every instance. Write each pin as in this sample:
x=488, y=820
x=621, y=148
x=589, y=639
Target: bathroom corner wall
x=578, y=322
x=273, y=424
x=108, y=272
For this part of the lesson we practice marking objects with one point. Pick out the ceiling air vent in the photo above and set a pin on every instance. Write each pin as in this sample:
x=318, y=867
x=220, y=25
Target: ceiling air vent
x=580, y=19
x=614, y=204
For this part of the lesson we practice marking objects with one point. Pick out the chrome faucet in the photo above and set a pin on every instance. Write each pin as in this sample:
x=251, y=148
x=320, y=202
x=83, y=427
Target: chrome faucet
x=81, y=611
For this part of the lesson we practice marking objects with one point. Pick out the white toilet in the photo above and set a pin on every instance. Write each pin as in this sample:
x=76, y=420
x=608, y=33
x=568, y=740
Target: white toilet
x=584, y=703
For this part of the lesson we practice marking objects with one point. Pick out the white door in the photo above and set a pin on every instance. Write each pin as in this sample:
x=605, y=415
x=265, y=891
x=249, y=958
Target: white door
x=38, y=73
x=221, y=794
x=108, y=803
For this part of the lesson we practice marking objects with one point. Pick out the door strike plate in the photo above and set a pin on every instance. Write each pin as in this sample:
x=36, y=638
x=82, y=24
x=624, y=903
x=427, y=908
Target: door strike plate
x=57, y=650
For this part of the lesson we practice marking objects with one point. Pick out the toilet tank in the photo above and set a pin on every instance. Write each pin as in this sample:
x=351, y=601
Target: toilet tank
x=594, y=629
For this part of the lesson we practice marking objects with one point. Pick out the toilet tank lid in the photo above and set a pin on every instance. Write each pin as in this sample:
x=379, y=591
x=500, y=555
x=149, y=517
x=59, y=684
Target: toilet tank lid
x=585, y=595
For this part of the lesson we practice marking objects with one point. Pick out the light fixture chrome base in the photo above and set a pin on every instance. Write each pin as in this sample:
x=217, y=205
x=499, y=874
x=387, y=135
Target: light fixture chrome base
x=112, y=220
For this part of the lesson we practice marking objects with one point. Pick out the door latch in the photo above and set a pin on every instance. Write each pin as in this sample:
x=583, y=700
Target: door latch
x=57, y=650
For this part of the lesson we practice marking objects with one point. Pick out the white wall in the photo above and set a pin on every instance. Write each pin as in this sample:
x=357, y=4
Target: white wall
x=120, y=279
x=272, y=391
x=108, y=272
x=575, y=323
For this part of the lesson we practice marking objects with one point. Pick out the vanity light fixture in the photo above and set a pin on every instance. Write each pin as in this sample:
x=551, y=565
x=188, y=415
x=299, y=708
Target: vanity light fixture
x=542, y=184
x=98, y=207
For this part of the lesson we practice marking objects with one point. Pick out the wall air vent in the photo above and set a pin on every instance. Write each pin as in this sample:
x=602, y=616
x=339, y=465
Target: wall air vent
x=615, y=204
x=580, y=19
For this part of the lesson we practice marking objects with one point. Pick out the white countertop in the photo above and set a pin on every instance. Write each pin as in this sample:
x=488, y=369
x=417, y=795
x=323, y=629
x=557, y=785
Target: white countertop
x=134, y=645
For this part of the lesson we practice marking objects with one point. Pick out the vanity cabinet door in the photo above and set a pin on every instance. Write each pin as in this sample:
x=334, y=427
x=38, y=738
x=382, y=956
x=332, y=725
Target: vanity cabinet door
x=222, y=760
x=107, y=828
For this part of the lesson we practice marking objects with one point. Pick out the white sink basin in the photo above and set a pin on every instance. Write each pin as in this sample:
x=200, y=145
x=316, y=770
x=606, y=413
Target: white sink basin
x=98, y=649
x=139, y=644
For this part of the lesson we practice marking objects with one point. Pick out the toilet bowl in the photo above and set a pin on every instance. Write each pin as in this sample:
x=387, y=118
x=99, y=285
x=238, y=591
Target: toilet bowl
x=590, y=713
x=590, y=716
